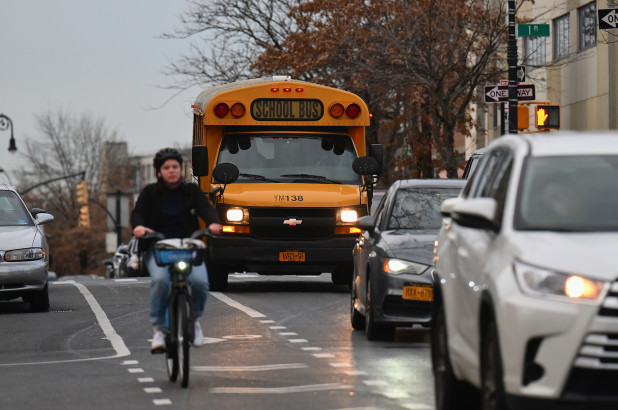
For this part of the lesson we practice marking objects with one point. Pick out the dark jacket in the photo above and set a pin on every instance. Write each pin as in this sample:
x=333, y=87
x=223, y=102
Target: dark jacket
x=193, y=202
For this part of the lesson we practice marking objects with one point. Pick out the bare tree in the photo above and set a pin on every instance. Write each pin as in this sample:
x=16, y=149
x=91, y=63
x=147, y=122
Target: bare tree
x=70, y=144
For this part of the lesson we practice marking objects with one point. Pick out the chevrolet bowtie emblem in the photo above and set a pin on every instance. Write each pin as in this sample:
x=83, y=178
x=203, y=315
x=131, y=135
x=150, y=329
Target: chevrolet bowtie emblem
x=292, y=222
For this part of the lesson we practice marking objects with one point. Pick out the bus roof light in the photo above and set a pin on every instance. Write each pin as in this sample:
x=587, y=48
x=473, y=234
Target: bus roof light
x=237, y=110
x=353, y=110
x=274, y=89
x=336, y=110
x=287, y=89
x=299, y=89
x=221, y=110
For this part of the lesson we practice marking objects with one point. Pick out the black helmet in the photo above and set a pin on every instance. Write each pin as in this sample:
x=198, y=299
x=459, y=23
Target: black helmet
x=165, y=154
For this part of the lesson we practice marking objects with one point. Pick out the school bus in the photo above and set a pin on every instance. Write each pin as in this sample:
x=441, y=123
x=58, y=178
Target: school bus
x=303, y=176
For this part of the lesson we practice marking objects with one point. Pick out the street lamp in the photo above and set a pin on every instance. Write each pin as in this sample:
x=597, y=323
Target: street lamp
x=5, y=122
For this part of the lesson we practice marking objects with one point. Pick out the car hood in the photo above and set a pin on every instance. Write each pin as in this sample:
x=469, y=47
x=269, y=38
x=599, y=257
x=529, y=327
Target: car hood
x=588, y=254
x=415, y=246
x=18, y=237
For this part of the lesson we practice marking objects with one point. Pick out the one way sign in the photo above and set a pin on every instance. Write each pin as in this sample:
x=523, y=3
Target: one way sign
x=499, y=93
x=608, y=19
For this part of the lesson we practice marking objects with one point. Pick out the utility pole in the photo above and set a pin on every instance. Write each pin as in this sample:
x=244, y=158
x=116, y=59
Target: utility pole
x=511, y=58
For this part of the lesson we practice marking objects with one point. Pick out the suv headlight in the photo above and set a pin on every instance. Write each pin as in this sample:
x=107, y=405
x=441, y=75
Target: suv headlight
x=538, y=281
x=29, y=254
x=398, y=266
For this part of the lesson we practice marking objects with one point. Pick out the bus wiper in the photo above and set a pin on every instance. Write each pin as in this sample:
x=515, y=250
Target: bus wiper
x=257, y=177
x=309, y=176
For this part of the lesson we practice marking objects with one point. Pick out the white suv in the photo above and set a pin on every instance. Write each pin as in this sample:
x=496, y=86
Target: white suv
x=526, y=273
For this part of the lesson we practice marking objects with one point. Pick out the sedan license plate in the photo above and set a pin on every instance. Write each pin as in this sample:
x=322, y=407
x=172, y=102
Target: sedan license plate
x=418, y=292
x=291, y=256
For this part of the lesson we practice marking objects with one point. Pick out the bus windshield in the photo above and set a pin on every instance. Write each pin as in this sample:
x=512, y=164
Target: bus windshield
x=291, y=157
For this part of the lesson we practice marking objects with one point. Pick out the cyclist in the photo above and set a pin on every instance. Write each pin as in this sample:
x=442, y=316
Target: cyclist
x=171, y=206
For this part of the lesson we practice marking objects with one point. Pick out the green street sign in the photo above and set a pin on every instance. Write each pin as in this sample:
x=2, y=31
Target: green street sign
x=533, y=30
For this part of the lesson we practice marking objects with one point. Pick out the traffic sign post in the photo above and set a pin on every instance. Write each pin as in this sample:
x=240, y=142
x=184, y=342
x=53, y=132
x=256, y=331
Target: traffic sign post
x=500, y=93
x=608, y=19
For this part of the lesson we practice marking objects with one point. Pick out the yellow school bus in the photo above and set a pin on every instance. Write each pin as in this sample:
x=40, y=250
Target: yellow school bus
x=303, y=176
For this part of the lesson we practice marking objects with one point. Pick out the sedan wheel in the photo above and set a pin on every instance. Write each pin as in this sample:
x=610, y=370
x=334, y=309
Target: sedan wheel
x=358, y=320
x=39, y=301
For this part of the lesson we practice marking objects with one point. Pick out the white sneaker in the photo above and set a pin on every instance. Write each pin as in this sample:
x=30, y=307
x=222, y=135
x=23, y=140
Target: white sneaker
x=158, y=342
x=198, y=339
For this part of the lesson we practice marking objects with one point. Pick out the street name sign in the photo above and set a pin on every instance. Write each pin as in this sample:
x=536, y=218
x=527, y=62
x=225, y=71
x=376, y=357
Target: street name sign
x=533, y=30
x=500, y=93
x=608, y=19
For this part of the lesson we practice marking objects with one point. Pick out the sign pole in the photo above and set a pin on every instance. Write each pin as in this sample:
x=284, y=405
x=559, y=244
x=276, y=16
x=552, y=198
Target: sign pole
x=511, y=55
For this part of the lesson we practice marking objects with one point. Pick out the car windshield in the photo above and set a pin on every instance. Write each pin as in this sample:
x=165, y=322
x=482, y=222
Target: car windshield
x=296, y=158
x=12, y=210
x=419, y=208
x=569, y=194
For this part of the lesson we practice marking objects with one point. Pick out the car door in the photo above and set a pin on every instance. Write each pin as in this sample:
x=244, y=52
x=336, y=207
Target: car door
x=363, y=248
x=473, y=249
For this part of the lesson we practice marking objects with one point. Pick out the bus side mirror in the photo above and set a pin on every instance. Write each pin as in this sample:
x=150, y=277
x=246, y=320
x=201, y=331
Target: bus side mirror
x=377, y=151
x=225, y=173
x=365, y=166
x=199, y=160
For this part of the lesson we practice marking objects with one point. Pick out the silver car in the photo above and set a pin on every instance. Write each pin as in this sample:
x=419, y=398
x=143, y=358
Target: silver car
x=24, y=252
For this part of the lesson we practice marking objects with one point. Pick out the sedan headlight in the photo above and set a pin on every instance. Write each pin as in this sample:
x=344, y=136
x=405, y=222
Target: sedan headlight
x=399, y=266
x=544, y=282
x=29, y=254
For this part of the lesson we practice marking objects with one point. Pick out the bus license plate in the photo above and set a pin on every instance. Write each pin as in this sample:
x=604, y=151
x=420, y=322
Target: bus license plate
x=292, y=256
x=418, y=292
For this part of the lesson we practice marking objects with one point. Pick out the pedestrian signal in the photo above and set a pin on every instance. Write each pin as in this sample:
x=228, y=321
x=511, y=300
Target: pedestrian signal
x=81, y=191
x=84, y=216
x=523, y=118
x=547, y=117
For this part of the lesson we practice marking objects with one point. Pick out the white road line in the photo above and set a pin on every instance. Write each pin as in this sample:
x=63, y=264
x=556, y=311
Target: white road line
x=375, y=382
x=281, y=390
x=356, y=373
x=298, y=340
x=136, y=370
x=125, y=280
x=339, y=364
x=129, y=362
x=277, y=327
x=267, y=321
x=162, y=402
x=231, y=302
x=322, y=355
x=311, y=348
x=145, y=379
x=110, y=334
x=250, y=368
x=288, y=333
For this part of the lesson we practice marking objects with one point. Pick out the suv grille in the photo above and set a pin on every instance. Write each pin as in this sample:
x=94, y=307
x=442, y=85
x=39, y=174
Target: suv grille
x=303, y=223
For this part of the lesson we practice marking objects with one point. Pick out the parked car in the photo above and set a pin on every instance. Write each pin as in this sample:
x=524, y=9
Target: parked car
x=392, y=258
x=24, y=252
x=135, y=263
x=473, y=162
x=526, y=296
x=117, y=267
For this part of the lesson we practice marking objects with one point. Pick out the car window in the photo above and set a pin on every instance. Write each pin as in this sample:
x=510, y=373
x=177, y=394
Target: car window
x=12, y=210
x=419, y=208
x=574, y=193
x=483, y=186
x=500, y=183
x=379, y=210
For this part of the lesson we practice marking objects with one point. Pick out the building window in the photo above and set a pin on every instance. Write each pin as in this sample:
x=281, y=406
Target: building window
x=561, y=37
x=587, y=26
x=535, y=52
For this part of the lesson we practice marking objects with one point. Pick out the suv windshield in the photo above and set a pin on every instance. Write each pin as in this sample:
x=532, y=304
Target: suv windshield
x=569, y=194
x=12, y=211
x=301, y=158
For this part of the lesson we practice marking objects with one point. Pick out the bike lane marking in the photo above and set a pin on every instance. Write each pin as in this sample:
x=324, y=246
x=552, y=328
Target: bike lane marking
x=104, y=323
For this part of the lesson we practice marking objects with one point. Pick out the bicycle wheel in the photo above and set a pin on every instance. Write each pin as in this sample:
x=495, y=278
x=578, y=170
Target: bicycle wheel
x=184, y=337
x=171, y=341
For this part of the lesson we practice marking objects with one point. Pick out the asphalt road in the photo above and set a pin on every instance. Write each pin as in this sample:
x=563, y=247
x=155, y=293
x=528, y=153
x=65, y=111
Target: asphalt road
x=272, y=343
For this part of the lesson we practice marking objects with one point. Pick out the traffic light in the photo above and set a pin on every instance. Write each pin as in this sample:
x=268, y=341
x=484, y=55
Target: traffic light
x=84, y=216
x=523, y=117
x=547, y=117
x=82, y=193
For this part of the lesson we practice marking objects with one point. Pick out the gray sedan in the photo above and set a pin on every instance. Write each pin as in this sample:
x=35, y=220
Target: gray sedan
x=24, y=253
x=392, y=285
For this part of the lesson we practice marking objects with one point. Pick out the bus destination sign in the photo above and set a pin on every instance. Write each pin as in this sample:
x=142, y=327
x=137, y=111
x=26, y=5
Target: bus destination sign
x=285, y=109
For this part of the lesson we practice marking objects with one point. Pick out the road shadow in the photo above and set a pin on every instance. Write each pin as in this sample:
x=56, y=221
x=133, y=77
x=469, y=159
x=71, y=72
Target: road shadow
x=13, y=306
x=284, y=283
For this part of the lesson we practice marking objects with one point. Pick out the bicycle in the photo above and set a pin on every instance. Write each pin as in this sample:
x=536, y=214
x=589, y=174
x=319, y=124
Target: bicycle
x=179, y=255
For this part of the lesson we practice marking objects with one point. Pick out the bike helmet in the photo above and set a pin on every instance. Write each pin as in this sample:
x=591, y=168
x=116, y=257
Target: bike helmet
x=165, y=154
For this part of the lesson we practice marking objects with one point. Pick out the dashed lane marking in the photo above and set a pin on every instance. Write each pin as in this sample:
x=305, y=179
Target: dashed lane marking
x=250, y=368
x=281, y=390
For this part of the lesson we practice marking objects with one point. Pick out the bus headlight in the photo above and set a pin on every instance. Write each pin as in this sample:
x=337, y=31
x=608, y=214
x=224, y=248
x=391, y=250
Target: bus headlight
x=347, y=216
x=237, y=216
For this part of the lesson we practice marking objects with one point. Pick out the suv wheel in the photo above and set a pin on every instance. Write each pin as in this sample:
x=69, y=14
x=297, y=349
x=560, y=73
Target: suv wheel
x=449, y=391
x=492, y=393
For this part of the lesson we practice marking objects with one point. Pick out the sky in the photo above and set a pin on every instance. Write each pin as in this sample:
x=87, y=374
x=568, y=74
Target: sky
x=97, y=57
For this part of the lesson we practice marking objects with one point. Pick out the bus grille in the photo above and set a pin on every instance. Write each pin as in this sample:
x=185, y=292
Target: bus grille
x=293, y=223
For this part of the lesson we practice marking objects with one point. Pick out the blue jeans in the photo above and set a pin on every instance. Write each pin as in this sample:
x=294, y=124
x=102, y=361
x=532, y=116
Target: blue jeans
x=159, y=289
